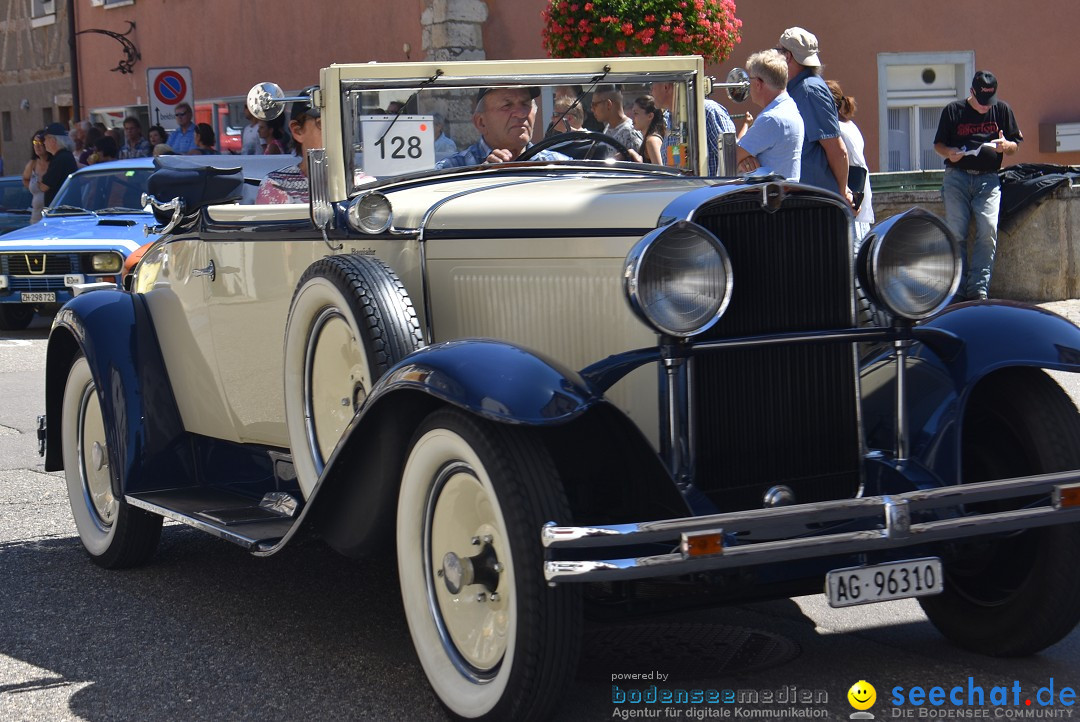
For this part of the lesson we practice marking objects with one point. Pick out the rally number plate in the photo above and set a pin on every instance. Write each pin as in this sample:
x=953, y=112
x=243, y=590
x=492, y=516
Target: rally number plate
x=38, y=297
x=882, y=582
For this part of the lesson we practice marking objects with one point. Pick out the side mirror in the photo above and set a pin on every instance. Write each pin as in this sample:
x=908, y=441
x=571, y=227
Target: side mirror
x=266, y=101
x=738, y=85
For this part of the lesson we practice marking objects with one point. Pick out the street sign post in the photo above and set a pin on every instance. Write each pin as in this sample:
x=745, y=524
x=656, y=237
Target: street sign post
x=167, y=88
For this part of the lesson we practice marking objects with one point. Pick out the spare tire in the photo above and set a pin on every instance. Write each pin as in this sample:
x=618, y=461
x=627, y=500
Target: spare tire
x=350, y=320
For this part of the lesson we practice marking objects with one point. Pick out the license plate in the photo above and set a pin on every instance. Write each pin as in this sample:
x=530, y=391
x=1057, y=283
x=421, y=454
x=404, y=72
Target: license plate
x=882, y=582
x=38, y=297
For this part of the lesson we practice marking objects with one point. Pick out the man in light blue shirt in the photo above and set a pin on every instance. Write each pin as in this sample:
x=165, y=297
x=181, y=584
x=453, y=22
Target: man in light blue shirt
x=772, y=141
x=504, y=117
x=182, y=139
x=824, y=157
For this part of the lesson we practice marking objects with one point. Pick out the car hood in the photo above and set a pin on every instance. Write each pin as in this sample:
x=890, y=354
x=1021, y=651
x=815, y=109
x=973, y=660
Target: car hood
x=118, y=232
x=539, y=201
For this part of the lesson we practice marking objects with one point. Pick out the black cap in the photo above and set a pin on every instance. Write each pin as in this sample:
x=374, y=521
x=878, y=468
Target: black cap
x=304, y=107
x=55, y=129
x=534, y=92
x=984, y=86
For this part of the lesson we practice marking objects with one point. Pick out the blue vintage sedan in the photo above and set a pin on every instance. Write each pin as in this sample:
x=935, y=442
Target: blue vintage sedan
x=94, y=223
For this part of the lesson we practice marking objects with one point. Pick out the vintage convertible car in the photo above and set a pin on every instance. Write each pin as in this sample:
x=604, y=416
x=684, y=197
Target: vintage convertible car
x=555, y=384
x=95, y=222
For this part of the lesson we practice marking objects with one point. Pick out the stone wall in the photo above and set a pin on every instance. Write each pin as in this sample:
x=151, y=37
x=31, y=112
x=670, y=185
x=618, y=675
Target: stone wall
x=1038, y=257
x=453, y=30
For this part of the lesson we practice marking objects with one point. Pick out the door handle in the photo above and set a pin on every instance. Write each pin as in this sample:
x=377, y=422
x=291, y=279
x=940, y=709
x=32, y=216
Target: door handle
x=208, y=271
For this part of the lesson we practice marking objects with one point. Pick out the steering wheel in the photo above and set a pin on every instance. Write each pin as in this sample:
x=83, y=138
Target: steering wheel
x=584, y=138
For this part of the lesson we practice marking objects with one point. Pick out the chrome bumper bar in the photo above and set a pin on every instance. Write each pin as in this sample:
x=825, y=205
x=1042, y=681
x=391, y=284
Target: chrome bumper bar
x=892, y=514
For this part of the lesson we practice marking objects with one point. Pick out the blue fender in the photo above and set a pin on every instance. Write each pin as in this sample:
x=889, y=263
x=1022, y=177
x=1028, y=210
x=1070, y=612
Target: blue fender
x=147, y=443
x=493, y=379
x=955, y=351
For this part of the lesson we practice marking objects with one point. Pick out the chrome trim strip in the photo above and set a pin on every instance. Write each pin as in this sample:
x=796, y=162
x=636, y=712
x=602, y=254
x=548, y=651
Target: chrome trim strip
x=893, y=512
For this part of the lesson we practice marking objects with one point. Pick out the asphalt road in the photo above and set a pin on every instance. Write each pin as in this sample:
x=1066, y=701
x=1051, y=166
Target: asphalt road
x=207, y=632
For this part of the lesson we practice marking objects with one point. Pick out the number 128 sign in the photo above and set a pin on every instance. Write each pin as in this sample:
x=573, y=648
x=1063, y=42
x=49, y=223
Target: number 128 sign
x=395, y=147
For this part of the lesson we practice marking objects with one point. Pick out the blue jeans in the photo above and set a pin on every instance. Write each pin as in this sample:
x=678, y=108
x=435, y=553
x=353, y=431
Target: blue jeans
x=968, y=195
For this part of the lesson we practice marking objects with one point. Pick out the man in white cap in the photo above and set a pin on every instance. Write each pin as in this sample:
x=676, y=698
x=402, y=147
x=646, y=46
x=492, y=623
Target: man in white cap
x=824, y=157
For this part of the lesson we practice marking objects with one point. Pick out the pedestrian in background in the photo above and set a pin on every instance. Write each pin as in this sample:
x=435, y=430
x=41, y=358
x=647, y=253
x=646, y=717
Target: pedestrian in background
x=63, y=164
x=204, y=140
x=855, y=146
x=251, y=144
x=135, y=146
x=824, y=161
x=273, y=136
x=92, y=135
x=774, y=139
x=649, y=121
x=34, y=172
x=183, y=138
x=973, y=136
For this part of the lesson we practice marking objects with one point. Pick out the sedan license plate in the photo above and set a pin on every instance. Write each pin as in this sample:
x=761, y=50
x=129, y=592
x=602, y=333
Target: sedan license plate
x=38, y=297
x=882, y=582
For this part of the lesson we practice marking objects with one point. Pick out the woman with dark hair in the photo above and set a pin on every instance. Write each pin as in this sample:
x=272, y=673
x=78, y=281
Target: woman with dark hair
x=35, y=169
x=273, y=134
x=649, y=121
x=204, y=140
x=156, y=135
x=290, y=185
x=105, y=149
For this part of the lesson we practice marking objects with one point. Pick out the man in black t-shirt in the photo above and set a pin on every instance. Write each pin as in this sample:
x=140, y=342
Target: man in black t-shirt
x=972, y=137
x=63, y=164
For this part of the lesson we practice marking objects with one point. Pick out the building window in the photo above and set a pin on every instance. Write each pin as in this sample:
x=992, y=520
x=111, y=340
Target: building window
x=46, y=116
x=913, y=90
x=42, y=12
x=8, y=135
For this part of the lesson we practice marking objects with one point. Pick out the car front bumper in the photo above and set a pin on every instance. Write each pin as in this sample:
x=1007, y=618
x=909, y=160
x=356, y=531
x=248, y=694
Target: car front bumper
x=712, y=542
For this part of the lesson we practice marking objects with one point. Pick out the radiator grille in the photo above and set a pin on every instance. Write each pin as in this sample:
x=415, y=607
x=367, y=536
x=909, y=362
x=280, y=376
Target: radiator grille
x=782, y=414
x=29, y=264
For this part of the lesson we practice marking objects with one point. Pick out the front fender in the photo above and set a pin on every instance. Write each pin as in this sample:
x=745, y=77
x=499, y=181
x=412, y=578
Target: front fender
x=494, y=379
x=956, y=351
x=113, y=330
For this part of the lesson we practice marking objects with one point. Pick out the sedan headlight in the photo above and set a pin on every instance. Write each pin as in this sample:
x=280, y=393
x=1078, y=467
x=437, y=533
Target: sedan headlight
x=371, y=213
x=678, y=279
x=911, y=264
x=106, y=262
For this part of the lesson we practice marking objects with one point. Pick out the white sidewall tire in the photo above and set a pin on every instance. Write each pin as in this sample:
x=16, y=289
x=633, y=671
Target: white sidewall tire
x=95, y=536
x=312, y=299
x=429, y=455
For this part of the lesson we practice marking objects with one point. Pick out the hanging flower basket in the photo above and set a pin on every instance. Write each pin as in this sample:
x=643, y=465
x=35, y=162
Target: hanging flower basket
x=601, y=28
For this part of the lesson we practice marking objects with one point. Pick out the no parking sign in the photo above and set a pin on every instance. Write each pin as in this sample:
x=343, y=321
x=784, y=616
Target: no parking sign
x=167, y=88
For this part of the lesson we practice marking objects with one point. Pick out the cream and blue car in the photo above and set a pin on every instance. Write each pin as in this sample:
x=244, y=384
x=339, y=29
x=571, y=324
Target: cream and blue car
x=557, y=384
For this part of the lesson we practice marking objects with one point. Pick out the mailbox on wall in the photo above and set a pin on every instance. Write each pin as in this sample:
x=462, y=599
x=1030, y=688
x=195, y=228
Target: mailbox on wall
x=1059, y=137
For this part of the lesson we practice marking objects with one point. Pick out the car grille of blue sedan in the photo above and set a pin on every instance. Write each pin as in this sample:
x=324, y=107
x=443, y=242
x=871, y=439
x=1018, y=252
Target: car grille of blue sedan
x=39, y=264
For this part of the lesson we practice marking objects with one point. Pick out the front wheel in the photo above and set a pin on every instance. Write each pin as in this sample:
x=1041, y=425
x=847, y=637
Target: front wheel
x=1014, y=594
x=495, y=641
x=115, y=534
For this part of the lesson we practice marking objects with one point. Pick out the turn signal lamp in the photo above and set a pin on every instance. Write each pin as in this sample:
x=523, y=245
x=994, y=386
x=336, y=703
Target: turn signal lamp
x=1066, y=496
x=702, y=544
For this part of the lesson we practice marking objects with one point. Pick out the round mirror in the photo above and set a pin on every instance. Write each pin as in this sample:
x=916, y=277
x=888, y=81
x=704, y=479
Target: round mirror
x=266, y=101
x=738, y=85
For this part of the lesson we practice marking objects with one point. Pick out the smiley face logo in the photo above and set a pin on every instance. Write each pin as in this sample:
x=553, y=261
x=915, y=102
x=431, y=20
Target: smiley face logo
x=862, y=695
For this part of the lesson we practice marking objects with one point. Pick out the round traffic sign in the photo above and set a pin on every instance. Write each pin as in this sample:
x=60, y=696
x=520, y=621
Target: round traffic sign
x=169, y=87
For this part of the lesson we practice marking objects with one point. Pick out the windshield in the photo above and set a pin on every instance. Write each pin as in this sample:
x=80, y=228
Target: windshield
x=115, y=190
x=435, y=127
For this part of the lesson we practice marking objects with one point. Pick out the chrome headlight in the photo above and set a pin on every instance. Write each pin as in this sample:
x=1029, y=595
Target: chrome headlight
x=106, y=262
x=911, y=264
x=678, y=279
x=371, y=213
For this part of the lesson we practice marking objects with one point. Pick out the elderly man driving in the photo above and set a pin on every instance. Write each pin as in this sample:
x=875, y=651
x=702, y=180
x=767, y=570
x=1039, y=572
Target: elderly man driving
x=504, y=117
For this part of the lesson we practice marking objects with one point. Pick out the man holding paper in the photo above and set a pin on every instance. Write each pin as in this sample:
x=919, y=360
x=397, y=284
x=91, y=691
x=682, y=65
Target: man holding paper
x=972, y=136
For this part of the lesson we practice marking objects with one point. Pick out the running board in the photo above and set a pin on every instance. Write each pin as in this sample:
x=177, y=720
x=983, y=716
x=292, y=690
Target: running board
x=230, y=516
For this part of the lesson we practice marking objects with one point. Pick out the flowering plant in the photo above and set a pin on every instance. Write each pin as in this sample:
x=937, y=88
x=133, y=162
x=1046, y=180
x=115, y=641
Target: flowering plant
x=598, y=28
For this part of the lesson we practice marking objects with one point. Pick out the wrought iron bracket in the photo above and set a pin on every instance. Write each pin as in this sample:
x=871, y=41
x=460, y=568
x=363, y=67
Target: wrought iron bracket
x=131, y=53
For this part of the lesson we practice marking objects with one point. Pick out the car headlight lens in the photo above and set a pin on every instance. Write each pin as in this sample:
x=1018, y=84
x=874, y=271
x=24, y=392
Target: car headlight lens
x=371, y=213
x=910, y=263
x=678, y=279
x=106, y=262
